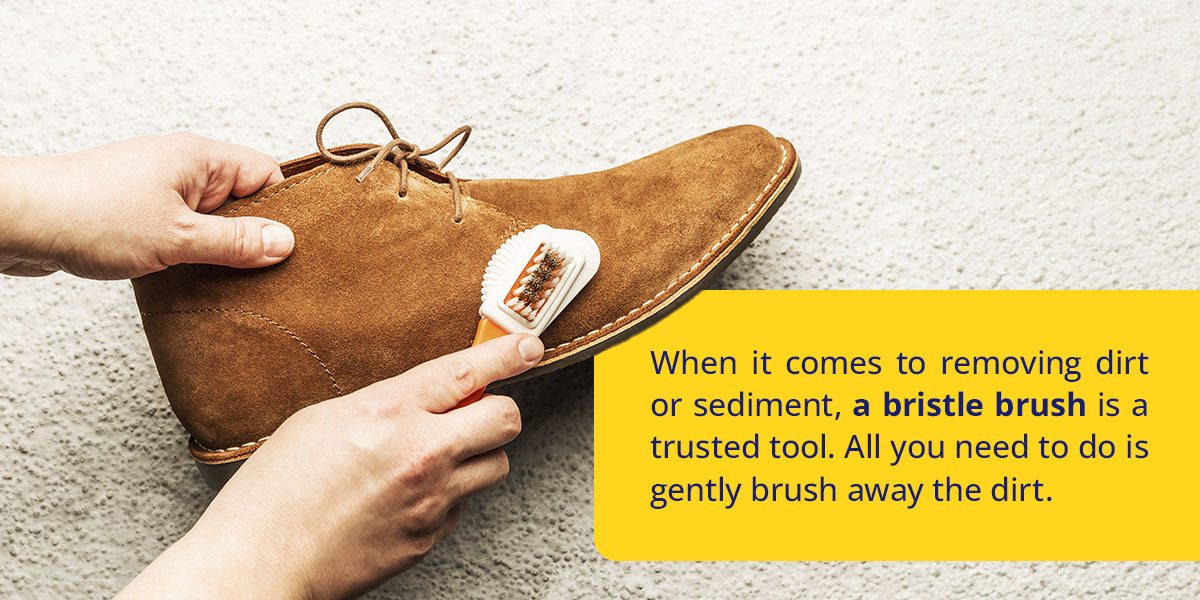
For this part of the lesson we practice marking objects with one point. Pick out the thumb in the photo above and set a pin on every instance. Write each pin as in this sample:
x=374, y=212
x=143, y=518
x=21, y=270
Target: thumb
x=242, y=242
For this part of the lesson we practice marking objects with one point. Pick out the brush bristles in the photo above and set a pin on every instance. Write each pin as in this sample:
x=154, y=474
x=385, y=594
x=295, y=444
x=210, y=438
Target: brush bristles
x=541, y=275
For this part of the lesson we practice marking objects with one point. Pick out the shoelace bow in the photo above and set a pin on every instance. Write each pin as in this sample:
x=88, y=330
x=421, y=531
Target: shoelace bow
x=399, y=151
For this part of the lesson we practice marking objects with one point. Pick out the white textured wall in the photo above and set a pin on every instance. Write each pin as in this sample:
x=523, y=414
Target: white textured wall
x=1035, y=145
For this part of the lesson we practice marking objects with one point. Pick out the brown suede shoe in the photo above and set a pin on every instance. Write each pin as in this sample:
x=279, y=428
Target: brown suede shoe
x=388, y=261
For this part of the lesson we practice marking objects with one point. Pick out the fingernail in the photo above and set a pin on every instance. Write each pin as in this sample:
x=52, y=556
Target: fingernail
x=530, y=348
x=277, y=241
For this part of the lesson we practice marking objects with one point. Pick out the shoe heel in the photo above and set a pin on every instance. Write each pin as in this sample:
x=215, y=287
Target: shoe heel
x=216, y=475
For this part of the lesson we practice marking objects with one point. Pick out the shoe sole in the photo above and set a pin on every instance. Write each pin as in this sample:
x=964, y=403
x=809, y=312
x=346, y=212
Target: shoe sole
x=215, y=475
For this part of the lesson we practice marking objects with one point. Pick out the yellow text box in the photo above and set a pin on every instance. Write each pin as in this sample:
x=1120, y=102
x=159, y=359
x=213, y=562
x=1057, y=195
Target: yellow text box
x=1140, y=503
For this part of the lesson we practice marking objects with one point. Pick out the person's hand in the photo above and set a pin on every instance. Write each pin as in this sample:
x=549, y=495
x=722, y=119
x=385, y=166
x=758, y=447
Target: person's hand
x=134, y=207
x=351, y=491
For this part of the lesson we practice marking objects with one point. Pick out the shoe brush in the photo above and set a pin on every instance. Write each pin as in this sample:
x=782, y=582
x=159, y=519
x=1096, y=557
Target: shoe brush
x=531, y=278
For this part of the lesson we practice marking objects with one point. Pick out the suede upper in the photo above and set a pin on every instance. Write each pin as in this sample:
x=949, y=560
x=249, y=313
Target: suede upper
x=379, y=283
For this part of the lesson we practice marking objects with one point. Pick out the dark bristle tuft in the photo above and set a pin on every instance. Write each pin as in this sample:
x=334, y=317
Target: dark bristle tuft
x=537, y=287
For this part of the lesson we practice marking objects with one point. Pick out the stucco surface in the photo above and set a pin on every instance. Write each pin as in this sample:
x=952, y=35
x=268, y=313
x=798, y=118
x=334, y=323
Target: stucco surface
x=980, y=145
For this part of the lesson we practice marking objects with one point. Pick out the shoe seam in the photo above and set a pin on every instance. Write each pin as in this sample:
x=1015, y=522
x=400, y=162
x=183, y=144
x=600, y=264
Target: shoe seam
x=280, y=190
x=324, y=367
x=515, y=221
x=783, y=161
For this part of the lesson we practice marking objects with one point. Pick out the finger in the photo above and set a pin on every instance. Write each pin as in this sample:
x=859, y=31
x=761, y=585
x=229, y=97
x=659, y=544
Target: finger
x=483, y=426
x=453, y=516
x=275, y=177
x=442, y=383
x=242, y=242
x=237, y=171
x=480, y=473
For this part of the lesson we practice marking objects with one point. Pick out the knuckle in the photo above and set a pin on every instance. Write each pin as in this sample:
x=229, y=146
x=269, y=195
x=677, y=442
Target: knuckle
x=378, y=411
x=241, y=243
x=413, y=472
x=419, y=468
x=427, y=515
x=509, y=419
x=461, y=374
x=382, y=401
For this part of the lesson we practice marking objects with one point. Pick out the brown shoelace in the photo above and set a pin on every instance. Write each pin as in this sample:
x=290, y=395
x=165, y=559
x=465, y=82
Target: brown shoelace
x=399, y=151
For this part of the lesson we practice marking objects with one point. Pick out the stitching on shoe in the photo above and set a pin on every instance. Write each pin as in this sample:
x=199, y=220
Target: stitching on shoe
x=497, y=210
x=761, y=197
x=467, y=198
x=282, y=189
x=509, y=231
x=243, y=446
x=337, y=388
x=466, y=193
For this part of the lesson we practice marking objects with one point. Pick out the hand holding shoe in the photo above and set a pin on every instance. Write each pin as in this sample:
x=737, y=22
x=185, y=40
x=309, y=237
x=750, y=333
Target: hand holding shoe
x=135, y=207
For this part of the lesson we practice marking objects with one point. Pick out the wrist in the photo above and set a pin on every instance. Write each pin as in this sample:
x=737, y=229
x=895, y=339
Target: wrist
x=27, y=221
x=201, y=565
